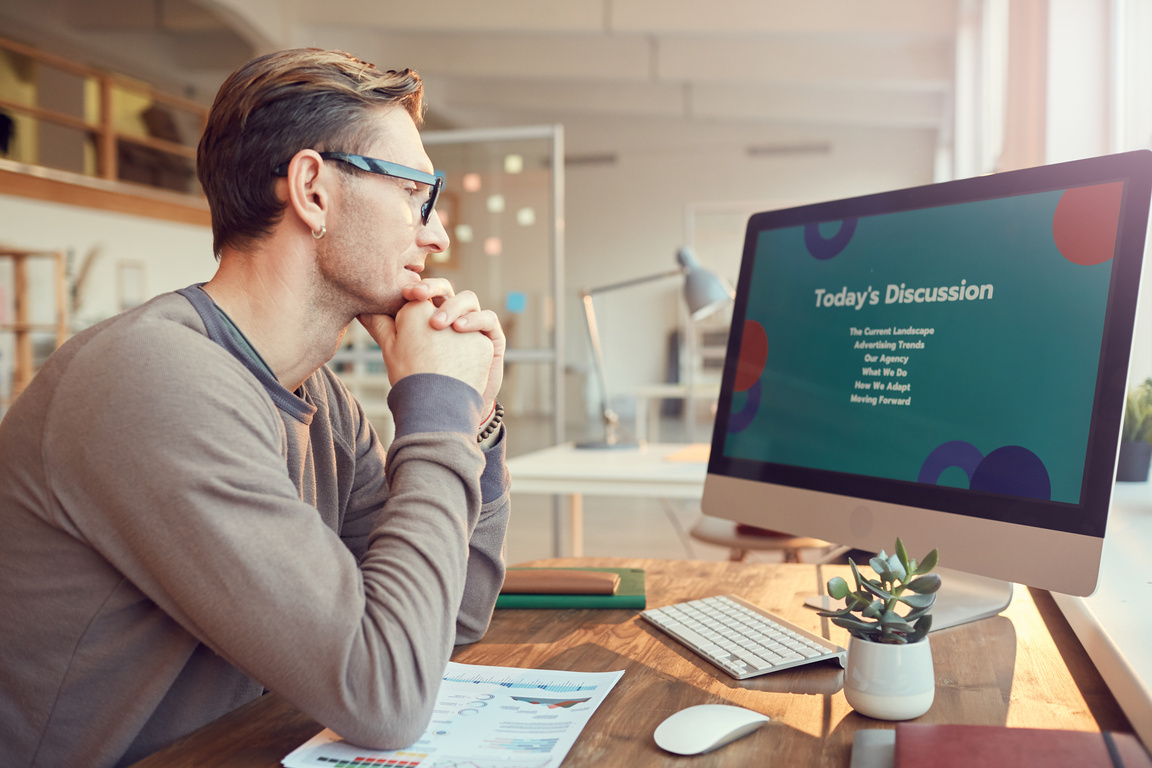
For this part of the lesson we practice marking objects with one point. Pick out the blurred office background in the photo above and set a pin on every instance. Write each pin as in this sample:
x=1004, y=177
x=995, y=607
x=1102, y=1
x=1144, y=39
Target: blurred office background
x=585, y=143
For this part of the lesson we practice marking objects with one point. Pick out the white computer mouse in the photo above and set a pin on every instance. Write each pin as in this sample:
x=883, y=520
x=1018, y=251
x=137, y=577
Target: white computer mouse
x=705, y=727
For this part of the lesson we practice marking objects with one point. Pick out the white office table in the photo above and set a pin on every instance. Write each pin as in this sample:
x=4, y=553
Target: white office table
x=573, y=472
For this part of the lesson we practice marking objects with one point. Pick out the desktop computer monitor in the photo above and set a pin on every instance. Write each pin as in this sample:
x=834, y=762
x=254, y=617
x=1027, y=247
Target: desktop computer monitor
x=945, y=364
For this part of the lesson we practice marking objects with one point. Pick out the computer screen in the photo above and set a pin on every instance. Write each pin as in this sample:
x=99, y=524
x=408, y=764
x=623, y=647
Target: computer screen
x=945, y=364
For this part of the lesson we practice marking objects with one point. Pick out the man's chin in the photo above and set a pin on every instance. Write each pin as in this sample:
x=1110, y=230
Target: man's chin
x=389, y=308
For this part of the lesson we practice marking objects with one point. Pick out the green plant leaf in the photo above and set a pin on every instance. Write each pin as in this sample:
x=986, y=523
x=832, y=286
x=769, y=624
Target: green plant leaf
x=896, y=569
x=1137, y=423
x=867, y=636
x=838, y=588
x=878, y=590
x=918, y=601
x=856, y=574
x=879, y=563
x=892, y=620
x=922, y=628
x=916, y=613
x=835, y=614
x=903, y=555
x=925, y=584
x=893, y=638
x=874, y=610
x=929, y=562
x=855, y=625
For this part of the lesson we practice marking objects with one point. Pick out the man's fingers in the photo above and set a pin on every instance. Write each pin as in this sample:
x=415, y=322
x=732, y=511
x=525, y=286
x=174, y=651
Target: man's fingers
x=454, y=308
x=434, y=289
x=417, y=347
x=485, y=321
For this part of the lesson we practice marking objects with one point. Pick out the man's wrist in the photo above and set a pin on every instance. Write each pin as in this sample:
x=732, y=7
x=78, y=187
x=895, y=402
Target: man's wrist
x=488, y=418
x=492, y=423
x=433, y=402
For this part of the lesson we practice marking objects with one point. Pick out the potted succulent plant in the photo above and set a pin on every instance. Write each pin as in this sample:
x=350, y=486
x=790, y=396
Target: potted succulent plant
x=889, y=673
x=1136, y=434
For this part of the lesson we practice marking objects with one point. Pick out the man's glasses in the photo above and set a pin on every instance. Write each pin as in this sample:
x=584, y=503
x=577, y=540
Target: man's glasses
x=385, y=168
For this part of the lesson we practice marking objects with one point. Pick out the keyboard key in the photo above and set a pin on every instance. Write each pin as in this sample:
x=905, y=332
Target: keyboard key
x=740, y=638
x=685, y=633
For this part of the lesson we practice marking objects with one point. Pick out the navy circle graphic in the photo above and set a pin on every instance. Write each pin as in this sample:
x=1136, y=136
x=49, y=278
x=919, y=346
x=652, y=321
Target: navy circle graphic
x=825, y=248
x=739, y=421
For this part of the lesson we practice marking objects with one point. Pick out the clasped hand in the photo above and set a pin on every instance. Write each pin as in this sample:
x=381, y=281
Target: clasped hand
x=440, y=331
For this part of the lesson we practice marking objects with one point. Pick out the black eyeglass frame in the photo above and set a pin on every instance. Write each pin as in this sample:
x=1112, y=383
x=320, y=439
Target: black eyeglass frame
x=385, y=168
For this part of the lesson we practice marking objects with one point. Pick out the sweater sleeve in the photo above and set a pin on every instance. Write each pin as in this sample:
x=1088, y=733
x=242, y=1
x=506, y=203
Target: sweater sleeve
x=174, y=473
x=486, y=566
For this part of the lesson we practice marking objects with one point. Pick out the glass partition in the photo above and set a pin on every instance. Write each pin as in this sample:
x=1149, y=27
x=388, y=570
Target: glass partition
x=503, y=210
x=502, y=206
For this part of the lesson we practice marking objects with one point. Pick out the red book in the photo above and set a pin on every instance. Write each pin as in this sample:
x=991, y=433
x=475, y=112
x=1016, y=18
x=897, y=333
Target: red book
x=990, y=746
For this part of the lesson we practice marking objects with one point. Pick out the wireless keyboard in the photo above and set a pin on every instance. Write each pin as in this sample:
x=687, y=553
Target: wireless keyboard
x=741, y=638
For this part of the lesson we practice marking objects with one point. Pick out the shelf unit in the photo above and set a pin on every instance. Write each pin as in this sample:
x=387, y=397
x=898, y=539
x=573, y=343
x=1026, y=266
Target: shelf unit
x=21, y=327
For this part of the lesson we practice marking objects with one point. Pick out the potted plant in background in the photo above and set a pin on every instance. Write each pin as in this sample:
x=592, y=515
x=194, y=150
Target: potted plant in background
x=1136, y=434
x=889, y=674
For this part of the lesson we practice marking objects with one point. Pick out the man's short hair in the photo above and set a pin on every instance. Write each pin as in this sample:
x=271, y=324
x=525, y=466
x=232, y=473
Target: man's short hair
x=273, y=107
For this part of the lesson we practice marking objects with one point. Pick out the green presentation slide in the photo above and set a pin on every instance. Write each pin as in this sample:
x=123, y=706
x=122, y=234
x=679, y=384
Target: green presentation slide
x=912, y=345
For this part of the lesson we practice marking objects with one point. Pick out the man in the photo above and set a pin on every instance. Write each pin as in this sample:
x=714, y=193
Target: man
x=193, y=509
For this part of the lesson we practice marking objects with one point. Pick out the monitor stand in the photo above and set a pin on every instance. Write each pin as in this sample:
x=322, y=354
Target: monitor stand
x=963, y=597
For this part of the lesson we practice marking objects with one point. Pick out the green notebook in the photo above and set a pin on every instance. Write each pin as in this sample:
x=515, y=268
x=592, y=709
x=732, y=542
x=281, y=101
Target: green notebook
x=630, y=593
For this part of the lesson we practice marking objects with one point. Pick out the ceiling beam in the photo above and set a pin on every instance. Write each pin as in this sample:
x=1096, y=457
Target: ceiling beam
x=784, y=17
x=455, y=15
x=716, y=17
x=554, y=100
x=913, y=65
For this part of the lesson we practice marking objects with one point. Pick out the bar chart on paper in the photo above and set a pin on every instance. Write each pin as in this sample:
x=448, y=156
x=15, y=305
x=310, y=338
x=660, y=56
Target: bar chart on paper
x=387, y=762
x=513, y=679
x=484, y=717
x=364, y=761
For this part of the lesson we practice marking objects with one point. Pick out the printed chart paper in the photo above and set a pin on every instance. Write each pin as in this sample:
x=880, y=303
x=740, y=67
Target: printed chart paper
x=485, y=717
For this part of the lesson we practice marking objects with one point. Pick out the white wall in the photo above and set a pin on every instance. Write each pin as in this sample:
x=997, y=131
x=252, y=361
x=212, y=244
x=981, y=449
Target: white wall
x=1099, y=70
x=627, y=219
x=1079, y=80
x=173, y=255
x=1132, y=129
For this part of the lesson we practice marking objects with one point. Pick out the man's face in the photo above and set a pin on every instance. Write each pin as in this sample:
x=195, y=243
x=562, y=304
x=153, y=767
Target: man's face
x=376, y=242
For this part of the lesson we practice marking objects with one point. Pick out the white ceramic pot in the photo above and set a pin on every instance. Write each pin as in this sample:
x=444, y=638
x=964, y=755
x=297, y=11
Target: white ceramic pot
x=889, y=682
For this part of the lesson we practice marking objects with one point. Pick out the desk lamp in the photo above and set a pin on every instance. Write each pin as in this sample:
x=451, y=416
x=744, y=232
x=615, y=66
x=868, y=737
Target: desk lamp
x=704, y=292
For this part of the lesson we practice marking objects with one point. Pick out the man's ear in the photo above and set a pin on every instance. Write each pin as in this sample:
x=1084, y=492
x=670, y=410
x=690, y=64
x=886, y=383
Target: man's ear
x=309, y=189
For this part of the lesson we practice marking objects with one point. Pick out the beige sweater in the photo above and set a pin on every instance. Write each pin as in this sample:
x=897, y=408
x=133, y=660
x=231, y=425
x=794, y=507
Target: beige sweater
x=178, y=533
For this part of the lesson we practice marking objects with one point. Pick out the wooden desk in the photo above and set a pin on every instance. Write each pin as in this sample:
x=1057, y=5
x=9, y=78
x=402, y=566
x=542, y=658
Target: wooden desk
x=1023, y=668
x=573, y=472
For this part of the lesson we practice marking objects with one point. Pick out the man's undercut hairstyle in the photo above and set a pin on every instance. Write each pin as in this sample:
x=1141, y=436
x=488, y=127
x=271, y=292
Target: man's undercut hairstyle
x=273, y=107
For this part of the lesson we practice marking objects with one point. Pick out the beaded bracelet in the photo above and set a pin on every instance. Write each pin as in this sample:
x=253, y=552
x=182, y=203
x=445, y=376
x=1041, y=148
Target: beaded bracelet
x=493, y=423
